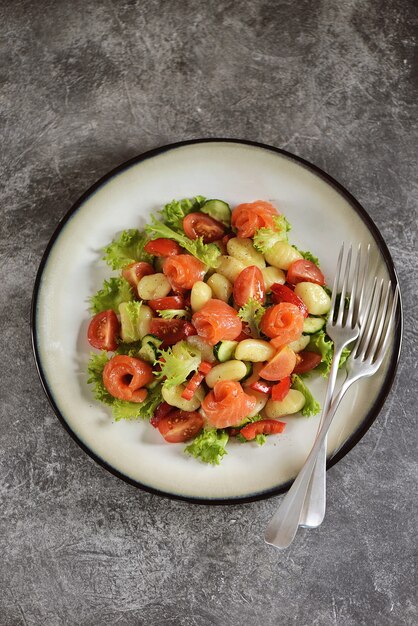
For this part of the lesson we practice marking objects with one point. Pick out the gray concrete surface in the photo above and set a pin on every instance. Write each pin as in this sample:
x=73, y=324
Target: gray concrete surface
x=85, y=86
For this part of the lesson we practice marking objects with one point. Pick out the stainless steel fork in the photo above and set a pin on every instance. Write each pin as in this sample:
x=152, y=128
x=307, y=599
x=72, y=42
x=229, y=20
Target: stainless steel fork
x=365, y=360
x=375, y=321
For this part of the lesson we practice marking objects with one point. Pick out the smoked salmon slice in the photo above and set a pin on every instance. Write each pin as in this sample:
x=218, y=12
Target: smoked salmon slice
x=283, y=323
x=217, y=321
x=227, y=404
x=247, y=218
x=183, y=271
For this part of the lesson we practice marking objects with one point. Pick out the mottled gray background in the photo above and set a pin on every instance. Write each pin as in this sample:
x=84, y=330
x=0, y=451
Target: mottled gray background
x=89, y=84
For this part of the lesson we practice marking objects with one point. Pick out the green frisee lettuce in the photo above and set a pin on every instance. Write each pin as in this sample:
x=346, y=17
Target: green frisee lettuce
x=209, y=446
x=174, y=212
x=128, y=248
x=178, y=362
x=251, y=313
x=311, y=406
x=113, y=293
x=266, y=238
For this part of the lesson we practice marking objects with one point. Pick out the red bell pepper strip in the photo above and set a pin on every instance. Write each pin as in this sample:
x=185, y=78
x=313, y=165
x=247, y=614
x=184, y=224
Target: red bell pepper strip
x=280, y=391
x=261, y=385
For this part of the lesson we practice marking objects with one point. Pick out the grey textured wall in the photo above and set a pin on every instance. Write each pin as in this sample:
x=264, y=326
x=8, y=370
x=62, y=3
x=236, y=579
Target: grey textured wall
x=86, y=85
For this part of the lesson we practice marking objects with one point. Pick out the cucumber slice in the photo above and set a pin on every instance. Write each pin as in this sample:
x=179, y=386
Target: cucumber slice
x=218, y=209
x=249, y=367
x=300, y=344
x=312, y=325
x=224, y=350
x=149, y=348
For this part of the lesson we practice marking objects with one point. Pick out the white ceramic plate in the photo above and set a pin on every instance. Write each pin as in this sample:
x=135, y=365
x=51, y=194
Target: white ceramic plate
x=322, y=215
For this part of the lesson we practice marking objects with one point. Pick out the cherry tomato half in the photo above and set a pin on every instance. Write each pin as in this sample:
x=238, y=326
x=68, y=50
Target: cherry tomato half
x=169, y=302
x=162, y=247
x=281, y=293
x=161, y=411
x=307, y=361
x=103, y=331
x=249, y=284
x=280, y=391
x=124, y=376
x=201, y=225
x=135, y=271
x=180, y=426
x=171, y=331
x=263, y=427
x=304, y=271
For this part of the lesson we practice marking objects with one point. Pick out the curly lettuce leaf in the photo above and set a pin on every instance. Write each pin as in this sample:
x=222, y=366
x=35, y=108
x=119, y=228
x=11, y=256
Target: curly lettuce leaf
x=128, y=248
x=178, y=362
x=323, y=345
x=311, y=406
x=209, y=446
x=136, y=410
x=174, y=212
x=113, y=293
x=266, y=238
x=208, y=253
x=308, y=256
x=95, y=371
x=251, y=313
x=170, y=314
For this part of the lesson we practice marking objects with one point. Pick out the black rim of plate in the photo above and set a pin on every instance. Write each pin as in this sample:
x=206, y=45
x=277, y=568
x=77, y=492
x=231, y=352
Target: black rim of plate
x=384, y=390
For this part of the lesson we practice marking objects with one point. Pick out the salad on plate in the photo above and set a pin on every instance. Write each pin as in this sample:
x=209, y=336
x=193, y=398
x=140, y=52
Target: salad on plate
x=211, y=326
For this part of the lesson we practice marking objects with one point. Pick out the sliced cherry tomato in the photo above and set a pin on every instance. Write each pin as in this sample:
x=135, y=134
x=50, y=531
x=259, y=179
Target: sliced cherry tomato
x=201, y=225
x=162, y=247
x=192, y=385
x=281, y=293
x=161, y=411
x=304, y=271
x=180, y=426
x=280, y=366
x=261, y=385
x=249, y=284
x=169, y=302
x=263, y=427
x=103, y=331
x=124, y=376
x=280, y=391
x=135, y=271
x=307, y=361
x=171, y=331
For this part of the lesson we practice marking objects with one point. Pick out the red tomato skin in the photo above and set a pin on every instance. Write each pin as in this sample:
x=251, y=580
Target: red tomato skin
x=303, y=270
x=307, y=361
x=282, y=293
x=161, y=411
x=263, y=427
x=280, y=366
x=180, y=426
x=262, y=386
x=171, y=331
x=280, y=391
x=201, y=225
x=103, y=331
x=124, y=377
x=162, y=247
x=169, y=302
x=135, y=271
x=249, y=284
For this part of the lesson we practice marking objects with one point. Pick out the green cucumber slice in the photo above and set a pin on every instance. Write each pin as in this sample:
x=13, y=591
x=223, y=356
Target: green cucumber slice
x=224, y=350
x=218, y=209
x=312, y=325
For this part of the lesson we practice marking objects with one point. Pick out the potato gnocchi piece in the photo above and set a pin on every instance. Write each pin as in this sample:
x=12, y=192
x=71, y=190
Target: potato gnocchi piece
x=229, y=267
x=244, y=251
x=200, y=294
x=230, y=370
x=172, y=395
x=153, y=286
x=221, y=286
x=315, y=297
x=292, y=403
x=254, y=350
x=261, y=401
x=273, y=275
x=281, y=255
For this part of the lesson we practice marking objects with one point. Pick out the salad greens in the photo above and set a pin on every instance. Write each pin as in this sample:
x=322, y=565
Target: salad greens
x=113, y=293
x=311, y=406
x=251, y=313
x=209, y=446
x=323, y=345
x=128, y=248
x=266, y=238
x=178, y=362
x=173, y=213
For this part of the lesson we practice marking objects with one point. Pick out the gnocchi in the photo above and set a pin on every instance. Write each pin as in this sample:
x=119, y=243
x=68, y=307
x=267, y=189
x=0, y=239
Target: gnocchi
x=153, y=286
x=292, y=403
x=254, y=350
x=315, y=297
x=230, y=267
x=172, y=395
x=205, y=348
x=244, y=251
x=281, y=255
x=261, y=400
x=273, y=275
x=230, y=370
x=201, y=294
x=221, y=287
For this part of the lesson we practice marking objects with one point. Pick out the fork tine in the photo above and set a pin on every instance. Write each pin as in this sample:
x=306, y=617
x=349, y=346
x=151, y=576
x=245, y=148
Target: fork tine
x=344, y=288
x=363, y=285
x=370, y=322
x=382, y=318
x=364, y=315
x=391, y=321
x=335, y=285
x=354, y=287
